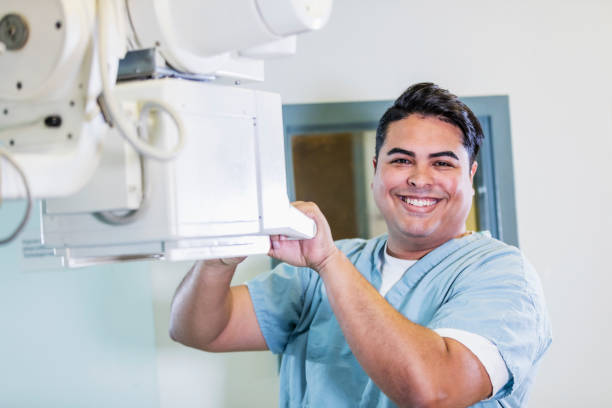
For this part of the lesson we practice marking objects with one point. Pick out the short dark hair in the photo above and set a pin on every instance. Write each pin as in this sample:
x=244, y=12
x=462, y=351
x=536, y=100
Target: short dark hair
x=429, y=99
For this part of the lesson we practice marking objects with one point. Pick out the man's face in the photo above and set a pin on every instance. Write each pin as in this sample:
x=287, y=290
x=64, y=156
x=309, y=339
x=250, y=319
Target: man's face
x=423, y=182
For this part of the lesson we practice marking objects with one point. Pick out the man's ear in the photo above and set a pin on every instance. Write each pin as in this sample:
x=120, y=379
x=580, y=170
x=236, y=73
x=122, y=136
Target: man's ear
x=374, y=163
x=473, y=170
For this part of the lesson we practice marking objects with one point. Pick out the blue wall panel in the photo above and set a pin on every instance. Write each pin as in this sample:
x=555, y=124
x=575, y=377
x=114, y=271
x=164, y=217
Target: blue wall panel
x=74, y=338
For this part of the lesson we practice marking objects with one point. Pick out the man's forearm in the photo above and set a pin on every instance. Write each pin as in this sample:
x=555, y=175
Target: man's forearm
x=203, y=296
x=410, y=363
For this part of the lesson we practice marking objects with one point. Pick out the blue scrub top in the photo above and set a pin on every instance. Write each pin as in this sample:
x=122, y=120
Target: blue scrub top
x=474, y=283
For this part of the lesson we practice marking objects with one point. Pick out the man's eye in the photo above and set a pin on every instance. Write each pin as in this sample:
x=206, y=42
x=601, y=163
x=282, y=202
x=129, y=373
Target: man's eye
x=400, y=161
x=443, y=164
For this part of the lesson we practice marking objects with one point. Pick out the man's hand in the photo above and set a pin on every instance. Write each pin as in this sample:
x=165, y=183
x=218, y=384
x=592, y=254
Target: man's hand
x=224, y=263
x=313, y=253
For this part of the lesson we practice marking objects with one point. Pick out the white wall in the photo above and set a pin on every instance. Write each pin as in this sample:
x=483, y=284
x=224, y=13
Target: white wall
x=553, y=59
x=73, y=338
x=190, y=378
x=83, y=338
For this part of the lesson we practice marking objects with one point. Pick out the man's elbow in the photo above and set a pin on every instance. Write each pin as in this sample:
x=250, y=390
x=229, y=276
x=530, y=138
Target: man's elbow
x=423, y=396
x=427, y=402
x=177, y=322
x=420, y=402
x=180, y=331
x=186, y=334
x=176, y=332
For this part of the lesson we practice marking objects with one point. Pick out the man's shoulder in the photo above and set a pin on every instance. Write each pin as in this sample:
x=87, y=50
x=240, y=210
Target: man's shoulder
x=483, y=245
x=487, y=256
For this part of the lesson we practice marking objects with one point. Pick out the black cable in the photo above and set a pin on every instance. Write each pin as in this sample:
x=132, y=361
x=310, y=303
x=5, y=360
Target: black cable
x=7, y=156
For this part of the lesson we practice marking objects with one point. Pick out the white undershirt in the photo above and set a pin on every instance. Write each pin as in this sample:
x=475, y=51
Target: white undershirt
x=393, y=269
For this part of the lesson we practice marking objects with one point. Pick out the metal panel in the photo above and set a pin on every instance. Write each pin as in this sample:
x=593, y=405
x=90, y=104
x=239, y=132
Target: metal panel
x=484, y=184
x=497, y=109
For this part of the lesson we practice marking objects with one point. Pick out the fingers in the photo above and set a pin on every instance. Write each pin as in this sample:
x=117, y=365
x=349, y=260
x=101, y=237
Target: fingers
x=313, y=211
x=304, y=252
x=310, y=209
x=275, y=242
x=306, y=206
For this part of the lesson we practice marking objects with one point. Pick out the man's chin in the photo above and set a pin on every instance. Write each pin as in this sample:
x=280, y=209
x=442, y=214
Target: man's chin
x=417, y=233
x=426, y=235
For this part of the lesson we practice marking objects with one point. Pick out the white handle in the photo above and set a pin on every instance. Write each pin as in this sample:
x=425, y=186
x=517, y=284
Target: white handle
x=296, y=226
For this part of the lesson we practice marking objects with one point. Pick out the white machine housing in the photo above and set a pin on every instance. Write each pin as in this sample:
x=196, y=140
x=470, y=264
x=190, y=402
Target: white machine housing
x=222, y=196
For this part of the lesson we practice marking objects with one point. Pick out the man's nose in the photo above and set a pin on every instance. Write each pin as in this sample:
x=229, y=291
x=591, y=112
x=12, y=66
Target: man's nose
x=420, y=177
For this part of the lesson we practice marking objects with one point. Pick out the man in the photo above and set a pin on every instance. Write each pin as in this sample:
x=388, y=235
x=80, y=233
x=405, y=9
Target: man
x=462, y=320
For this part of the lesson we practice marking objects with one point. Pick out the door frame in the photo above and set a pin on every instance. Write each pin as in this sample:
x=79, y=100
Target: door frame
x=495, y=188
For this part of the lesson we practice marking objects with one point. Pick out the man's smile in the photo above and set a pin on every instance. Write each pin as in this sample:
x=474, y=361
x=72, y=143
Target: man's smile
x=421, y=204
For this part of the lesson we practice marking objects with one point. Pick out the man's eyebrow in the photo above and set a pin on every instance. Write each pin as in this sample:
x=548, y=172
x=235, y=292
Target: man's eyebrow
x=442, y=154
x=397, y=150
x=400, y=151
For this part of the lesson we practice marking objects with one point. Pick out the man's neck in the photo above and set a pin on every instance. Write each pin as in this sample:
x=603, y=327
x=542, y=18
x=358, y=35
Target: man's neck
x=416, y=248
x=396, y=252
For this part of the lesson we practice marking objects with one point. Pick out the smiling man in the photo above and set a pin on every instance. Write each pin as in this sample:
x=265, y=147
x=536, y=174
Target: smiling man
x=423, y=182
x=428, y=315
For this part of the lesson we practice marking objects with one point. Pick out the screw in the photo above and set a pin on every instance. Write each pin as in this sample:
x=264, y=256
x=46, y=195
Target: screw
x=53, y=121
x=69, y=136
x=12, y=142
x=71, y=103
x=19, y=85
x=58, y=24
x=5, y=111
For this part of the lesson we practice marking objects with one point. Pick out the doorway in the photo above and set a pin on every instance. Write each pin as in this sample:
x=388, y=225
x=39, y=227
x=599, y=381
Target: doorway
x=329, y=149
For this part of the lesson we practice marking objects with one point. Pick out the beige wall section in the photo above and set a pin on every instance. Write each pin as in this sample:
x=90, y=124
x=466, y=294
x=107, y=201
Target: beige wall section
x=471, y=224
x=376, y=222
x=554, y=60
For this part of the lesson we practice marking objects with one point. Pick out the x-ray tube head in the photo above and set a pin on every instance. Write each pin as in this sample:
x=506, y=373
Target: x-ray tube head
x=289, y=17
x=188, y=31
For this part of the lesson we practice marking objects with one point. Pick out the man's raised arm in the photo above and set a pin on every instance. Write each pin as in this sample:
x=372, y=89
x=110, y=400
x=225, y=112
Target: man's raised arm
x=210, y=315
x=410, y=363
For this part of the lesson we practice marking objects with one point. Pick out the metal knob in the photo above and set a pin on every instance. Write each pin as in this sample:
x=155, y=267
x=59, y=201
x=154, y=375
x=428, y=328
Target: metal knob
x=13, y=32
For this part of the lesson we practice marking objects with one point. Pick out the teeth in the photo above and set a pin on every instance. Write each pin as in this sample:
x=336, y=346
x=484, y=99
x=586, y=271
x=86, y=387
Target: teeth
x=418, y=202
